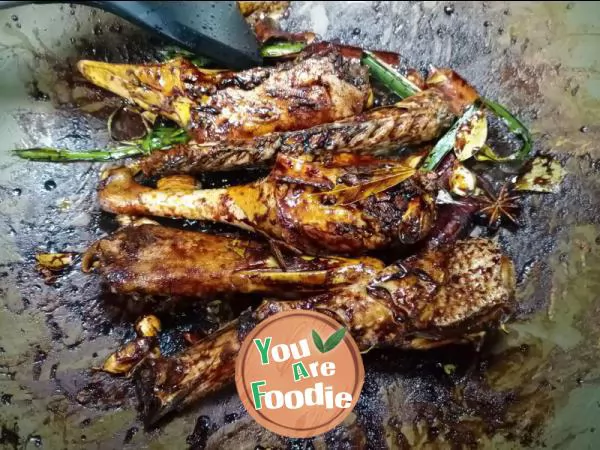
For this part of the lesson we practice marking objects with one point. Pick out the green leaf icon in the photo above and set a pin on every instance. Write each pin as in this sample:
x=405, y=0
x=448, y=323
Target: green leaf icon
x=332, y=341
x=318, y=341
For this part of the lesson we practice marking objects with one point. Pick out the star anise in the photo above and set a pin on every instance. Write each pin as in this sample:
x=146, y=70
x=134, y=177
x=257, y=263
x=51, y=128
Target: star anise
x=499, y=207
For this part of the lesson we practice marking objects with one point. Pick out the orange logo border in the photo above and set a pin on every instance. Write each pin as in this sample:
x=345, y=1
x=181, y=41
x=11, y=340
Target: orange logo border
x=242, y=384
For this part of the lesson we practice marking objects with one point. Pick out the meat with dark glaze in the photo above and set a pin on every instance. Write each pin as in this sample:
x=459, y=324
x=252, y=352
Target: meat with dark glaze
x=161, y=261
x=420, y=118
x=382, y=204
x=223, y=105
x=450, y=294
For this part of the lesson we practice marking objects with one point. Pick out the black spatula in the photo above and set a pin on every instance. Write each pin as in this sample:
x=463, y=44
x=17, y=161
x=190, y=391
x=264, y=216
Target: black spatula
x=213, y=29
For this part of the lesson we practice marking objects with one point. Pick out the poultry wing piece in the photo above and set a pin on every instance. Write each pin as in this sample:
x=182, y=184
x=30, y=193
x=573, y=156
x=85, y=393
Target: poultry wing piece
x=311, y=208
x=446, y=295
x=223, y=105
x=417, y=119
x=155, y=260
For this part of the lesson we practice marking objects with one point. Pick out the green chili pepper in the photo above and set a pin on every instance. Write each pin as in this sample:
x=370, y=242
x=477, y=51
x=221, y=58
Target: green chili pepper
x=160, y=138
x=400, y=85
x=280, y=49
x=390, y=78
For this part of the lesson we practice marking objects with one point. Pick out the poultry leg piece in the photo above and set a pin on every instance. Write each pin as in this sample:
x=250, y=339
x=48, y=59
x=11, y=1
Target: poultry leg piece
x=312, y=208
x=444, y=295
x=161, y=261
x=415, y=120
x=222, y=105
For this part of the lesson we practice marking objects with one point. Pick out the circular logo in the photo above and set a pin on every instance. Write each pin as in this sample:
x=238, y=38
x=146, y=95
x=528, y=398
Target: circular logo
x=299, y=373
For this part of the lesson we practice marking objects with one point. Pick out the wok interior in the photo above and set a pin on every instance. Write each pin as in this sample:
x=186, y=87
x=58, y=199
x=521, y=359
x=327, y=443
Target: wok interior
x=530, y=386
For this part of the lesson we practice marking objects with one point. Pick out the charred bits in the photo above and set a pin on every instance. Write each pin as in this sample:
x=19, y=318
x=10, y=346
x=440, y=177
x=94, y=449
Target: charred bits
x=9, y=437
x=130, y=434
x=197, y=440
x=50, y=185
x=38, y=362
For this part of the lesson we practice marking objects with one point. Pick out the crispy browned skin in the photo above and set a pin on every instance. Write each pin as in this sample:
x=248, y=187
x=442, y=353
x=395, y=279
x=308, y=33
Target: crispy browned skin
x=313, y=208
x=266, y=8
x=350, y=51
x=457, y=92
x=415, y=120
x=167, y=384
x=443, y=296
x=418, y=119
x=224, y=105
x=162, y=261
